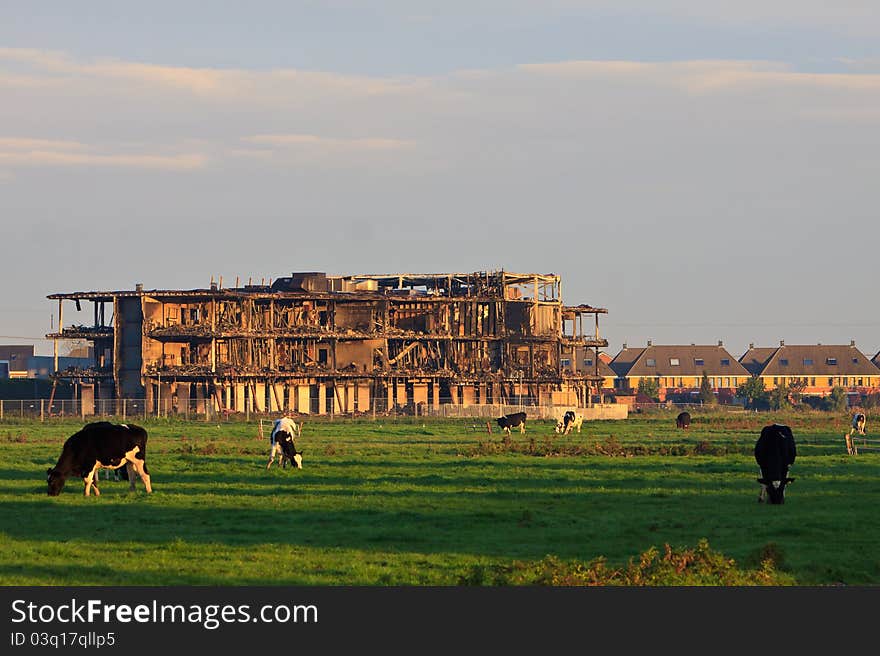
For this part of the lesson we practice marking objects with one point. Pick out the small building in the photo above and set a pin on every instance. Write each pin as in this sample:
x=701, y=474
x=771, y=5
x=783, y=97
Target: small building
x=16, y=356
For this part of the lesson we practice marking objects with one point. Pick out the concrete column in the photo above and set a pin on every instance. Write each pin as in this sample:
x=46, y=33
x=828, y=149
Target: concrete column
x=183, y=393
x=420, y=393
x=200, y=398
x=87, y=398
x=467, y=395
x=400, y=393
x=259, y=390
x=363, y=400
x=275, y=390
x=322, y=399
x=436, y=393
x=303, y=393
x=239, y=397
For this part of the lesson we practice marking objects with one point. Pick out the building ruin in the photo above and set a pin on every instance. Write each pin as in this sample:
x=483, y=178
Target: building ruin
x=318, y=344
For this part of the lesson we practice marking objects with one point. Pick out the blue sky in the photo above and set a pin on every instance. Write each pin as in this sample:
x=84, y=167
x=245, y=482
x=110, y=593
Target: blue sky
x=706, y=171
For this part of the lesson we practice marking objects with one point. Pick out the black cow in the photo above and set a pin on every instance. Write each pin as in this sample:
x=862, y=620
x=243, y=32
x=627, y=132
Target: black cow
x=683, y=420
x=512, y=421
x=775, y=452
x=101, y=445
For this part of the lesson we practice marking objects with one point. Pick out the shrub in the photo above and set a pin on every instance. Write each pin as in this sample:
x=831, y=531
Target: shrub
x=673, y=567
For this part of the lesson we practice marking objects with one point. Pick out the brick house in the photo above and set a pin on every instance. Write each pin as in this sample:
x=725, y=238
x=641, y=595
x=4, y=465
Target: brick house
x=678, y=369
x=819, y=367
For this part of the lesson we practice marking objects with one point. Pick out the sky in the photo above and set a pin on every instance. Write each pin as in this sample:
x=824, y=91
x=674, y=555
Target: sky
x=706, y=171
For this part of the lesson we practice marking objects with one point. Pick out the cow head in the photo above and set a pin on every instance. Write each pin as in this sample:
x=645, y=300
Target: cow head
x=55, y=480
x=775, y=490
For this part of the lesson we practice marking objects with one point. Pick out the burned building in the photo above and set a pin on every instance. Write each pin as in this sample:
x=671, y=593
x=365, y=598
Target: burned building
x=317, y=344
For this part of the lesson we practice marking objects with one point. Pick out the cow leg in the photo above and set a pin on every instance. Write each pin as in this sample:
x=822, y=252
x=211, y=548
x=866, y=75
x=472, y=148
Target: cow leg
x=522, y=427
x=138, y=466
x=130, y=470
x=762, y=495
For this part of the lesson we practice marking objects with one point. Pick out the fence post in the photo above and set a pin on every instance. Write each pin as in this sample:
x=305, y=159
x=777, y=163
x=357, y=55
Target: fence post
x=41, y=410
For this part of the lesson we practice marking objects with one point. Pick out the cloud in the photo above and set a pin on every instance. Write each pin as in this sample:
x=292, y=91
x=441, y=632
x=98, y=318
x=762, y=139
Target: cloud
x=27, y=152
x=359, y=143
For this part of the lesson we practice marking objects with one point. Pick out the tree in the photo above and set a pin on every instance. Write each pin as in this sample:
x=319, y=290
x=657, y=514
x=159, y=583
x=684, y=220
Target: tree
x=836, y=401
x=778, y=397
x=754, y=394
x=796, y=388
x=649, y=387
x=707, y=395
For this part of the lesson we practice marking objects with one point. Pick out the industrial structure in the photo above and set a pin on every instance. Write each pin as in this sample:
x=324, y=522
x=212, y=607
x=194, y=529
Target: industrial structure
x=318, y=344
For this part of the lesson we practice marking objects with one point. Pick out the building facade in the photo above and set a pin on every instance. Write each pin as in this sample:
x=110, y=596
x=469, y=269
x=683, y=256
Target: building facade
x=813, y=369
x=678, y=370
x=316, y=344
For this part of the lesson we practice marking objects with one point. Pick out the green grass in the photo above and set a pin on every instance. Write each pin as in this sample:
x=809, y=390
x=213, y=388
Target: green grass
x=425, y=502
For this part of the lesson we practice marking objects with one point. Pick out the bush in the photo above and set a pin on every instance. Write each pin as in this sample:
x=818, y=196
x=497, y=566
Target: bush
x=672, y=567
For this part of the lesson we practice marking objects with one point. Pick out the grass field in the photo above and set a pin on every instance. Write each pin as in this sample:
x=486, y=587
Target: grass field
x=428, y=502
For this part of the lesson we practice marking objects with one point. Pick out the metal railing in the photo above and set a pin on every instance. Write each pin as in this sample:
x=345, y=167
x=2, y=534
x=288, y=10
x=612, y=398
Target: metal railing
x=209, y=410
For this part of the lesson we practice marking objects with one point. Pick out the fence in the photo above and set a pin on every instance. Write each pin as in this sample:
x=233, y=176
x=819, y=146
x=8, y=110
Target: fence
x=207, y=409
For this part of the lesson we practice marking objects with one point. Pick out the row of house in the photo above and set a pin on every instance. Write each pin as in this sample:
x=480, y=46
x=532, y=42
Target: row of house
x=815, y=369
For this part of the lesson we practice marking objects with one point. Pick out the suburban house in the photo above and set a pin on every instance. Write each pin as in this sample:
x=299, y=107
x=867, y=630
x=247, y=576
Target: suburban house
x=678, y=369
x=816, y=367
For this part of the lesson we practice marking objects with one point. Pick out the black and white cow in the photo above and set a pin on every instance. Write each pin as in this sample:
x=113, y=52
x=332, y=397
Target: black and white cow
x=101, y=445
x=282, y=443
x=858, y=424
x=683, y=420
x=512, y=421
x=775, y=452
x=569, y=420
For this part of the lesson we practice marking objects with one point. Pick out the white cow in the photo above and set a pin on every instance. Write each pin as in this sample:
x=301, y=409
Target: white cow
x=284, y=431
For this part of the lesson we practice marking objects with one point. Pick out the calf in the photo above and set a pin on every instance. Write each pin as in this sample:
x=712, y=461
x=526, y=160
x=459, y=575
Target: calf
x=101, y=445
x=683, y=420
x=569, y=420
x=775, y=452
x=282, y=443
x=512, y=421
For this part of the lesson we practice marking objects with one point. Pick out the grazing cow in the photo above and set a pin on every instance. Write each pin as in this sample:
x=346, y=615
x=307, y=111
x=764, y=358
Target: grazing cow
x=858, y=426
x=683, y=420
x=101, y=445
x=569, y=420
x=775, y=452
x=282, y=443
x=512, y=421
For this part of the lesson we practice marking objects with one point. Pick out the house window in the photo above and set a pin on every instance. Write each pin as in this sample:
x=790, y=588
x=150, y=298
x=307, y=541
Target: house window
x=565, y=362
x=725, y=362
x=808, y=362
x=783, y=362
x=698, y=362
x=650, y=362
x=831, y=361
x=830, y=382
x=855, y=360
x=813, y=382
x=673, y=362
x=588, y=362
x=775, y=380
